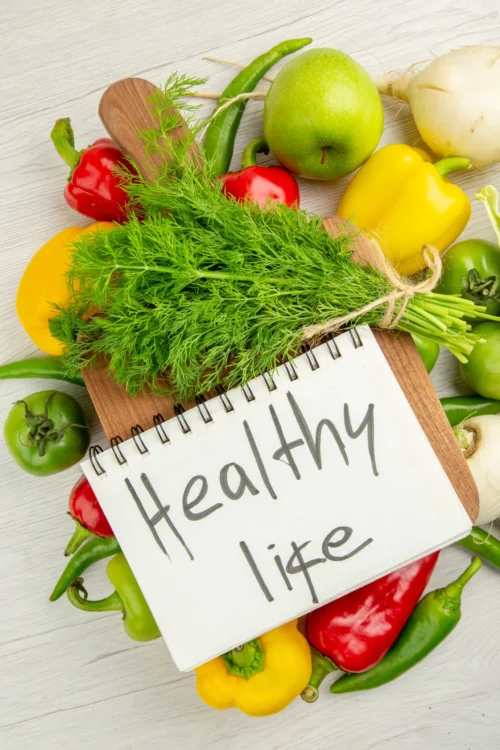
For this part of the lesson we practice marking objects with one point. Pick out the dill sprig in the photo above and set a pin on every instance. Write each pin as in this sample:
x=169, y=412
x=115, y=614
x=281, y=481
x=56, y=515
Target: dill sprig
x=203, y=290
x=167, y=104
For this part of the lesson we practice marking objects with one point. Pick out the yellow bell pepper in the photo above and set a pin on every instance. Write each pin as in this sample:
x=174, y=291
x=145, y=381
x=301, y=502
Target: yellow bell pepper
x=261, y=677
x=404, y=202
x=44, y=282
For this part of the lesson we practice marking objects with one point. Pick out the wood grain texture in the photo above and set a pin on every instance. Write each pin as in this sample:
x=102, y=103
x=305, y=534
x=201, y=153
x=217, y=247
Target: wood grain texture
x=72, y=681
x=117, y=411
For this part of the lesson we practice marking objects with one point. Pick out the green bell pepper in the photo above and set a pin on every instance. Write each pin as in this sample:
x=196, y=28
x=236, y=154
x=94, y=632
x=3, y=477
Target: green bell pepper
x=127, y=598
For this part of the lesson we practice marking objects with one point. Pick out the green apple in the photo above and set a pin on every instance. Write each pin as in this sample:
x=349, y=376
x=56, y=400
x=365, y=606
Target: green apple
x=323, y=115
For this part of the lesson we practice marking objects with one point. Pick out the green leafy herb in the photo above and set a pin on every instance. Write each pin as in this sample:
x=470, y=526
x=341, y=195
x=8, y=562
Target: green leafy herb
x=205, y=290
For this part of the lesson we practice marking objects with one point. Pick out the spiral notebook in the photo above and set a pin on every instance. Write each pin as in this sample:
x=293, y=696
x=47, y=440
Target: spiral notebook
x=266, y=501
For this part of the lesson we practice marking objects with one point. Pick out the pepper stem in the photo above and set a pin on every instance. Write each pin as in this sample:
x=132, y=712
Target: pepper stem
x=450, y=596
x=79, y=536
x=246, y=660
x=249, y=155
x=321, y=666
x=454, y=589
x=452, y=164
x=63, y=139
x=77, y=595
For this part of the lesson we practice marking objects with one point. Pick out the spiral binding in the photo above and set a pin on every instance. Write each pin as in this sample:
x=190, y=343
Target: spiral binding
x=139, y=442
x=179, y=411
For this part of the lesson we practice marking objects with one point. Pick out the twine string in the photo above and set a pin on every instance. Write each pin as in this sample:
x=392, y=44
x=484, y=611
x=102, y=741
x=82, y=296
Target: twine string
x=229, y=102
x=402, y=291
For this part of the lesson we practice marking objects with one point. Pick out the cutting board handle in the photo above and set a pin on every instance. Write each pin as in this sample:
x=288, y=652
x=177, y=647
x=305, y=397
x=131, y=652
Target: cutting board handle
x=125, y=110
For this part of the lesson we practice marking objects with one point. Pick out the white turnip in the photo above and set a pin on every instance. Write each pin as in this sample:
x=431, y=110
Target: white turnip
x=479, y=438
x=455, y=102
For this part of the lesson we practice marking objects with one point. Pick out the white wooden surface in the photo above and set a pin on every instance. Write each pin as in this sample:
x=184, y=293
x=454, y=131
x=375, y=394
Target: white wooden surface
x=71, y=680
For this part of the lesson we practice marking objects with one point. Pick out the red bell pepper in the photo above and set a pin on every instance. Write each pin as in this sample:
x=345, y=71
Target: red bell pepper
x=356, y=631
x=89, y=516
x=260, y=184
x=93, y=186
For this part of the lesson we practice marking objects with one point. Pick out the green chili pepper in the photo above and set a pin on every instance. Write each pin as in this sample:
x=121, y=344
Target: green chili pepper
x=41, y=367
x=127, y=598
x=434, y=617
x=482, y=543
x=220, y=135
x=94, y=550
x=459, y=408
x=428, y=350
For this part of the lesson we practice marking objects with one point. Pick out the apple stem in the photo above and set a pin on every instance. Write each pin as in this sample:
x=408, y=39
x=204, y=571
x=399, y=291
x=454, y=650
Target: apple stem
x=323, y=158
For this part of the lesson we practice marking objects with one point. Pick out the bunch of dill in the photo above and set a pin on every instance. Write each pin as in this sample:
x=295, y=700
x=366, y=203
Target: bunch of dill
x=212, y=285
x=204, y=290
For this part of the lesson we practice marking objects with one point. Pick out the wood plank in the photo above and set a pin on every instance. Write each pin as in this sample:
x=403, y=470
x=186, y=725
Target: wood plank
x=117, y=411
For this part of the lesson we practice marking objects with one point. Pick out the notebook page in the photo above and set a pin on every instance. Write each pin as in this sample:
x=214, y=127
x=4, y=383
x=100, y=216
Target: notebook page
x=287, y=501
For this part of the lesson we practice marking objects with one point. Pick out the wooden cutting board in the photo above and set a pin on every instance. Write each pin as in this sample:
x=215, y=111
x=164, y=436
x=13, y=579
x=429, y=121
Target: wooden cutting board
x=125, y=111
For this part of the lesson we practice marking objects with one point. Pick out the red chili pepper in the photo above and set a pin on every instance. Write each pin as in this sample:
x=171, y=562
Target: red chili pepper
x=89, y=516
x=357, y=630
x=93, y=186
x=260, y=184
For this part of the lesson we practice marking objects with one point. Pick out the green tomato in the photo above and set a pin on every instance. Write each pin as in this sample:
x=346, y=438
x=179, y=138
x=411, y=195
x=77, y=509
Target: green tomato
x=482, y=371
x=472, y=268
x=46, y=432
x=428, y=350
